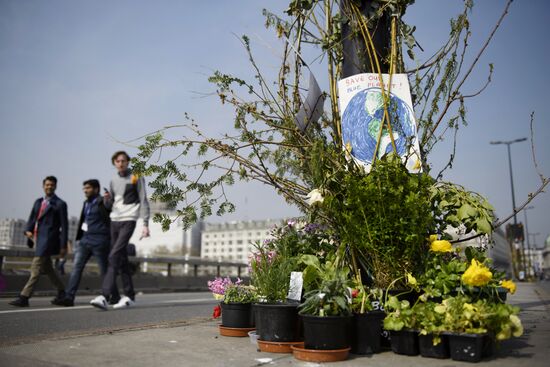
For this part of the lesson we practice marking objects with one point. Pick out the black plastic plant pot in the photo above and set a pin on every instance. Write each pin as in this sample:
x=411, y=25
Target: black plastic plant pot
x=366, y=332
x=404, y=342
x=489, y=345
x=327, y=333
x=466, y=347
x=277, y=322
x=237, y=315
x=428, y=349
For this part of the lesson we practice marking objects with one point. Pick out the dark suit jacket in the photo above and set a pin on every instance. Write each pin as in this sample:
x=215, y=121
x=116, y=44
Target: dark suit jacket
x=53, y=227
x=103, y=211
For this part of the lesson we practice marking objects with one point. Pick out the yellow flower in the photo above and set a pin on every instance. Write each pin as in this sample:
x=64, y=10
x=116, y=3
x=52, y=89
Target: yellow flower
x=517, y=327
x=441, y=246
x=510, y=285
x=477, y=274
x=433, y=237
x=410, y=279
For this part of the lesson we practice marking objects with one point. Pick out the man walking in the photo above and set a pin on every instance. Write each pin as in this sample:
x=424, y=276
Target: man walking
x=128, y=202
x=46, y=230
x=92, y=238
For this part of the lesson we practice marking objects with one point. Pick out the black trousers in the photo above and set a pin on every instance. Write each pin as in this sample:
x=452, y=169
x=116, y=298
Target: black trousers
x=118, y=259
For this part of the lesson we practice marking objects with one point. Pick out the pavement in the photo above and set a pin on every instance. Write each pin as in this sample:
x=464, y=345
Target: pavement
x=196, y=342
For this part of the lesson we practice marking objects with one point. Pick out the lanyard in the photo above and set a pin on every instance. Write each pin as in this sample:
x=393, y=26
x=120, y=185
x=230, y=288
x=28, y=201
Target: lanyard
x=88, y=208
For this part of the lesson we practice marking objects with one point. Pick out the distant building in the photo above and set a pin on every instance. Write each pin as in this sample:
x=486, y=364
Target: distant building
x=172, y=239
x=233, y=241
x=12, y=233
x=192, y=240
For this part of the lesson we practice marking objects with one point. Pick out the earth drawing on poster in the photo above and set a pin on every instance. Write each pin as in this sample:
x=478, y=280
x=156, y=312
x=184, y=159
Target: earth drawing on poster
x=361, y=125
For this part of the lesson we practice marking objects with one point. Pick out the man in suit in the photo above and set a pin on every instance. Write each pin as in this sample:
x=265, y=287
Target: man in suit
x=92, y=238
x=46, y=230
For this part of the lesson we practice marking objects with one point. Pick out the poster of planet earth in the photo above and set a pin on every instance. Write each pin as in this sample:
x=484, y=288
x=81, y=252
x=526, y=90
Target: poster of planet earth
x=362, y=113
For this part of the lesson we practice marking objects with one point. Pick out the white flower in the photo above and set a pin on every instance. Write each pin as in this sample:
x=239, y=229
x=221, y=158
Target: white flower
x=314, y=197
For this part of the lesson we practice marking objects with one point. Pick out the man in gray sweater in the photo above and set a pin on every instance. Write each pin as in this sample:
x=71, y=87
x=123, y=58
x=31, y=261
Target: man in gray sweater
x=127, y=201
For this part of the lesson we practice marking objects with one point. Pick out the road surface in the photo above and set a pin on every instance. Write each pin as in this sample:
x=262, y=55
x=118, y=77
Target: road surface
x=43, y=321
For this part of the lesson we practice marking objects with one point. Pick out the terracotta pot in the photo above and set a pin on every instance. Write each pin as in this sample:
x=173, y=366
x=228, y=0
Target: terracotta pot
x=237, y=332
x=278, y=347
x=319, y=356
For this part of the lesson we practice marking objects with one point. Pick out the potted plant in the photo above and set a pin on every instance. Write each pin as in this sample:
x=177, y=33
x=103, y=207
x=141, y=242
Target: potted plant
x=368, y=316
x=271, y=265
x=432, y=341
x=401, y=321
x=473, y=325
x=326, y=313
x=384, y=216
x=235, y=307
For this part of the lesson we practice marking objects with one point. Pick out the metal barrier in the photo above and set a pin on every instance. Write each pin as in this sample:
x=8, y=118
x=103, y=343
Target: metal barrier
x=193, y=261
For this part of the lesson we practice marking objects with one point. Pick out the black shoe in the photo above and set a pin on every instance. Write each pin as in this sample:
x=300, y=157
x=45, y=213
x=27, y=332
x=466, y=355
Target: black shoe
x=20, y=301
x=67, y=302
x=59, y=299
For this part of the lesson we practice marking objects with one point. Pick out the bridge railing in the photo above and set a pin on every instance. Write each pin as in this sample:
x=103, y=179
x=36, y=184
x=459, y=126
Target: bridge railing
x=193, y=262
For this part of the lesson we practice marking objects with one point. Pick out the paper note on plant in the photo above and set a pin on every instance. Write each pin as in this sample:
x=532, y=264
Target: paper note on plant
x=296, y=284
x=362, y=112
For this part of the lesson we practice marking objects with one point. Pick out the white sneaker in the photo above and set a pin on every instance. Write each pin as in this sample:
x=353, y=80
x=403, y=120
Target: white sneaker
x=99, y=302
x=124, y=302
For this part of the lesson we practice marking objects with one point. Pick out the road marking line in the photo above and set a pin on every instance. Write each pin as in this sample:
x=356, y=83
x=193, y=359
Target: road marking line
x=89, y=306
x=46, y=309
x=191, y=300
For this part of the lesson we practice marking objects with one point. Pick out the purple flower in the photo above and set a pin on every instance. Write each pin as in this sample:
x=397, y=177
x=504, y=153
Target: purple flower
x=218, y=285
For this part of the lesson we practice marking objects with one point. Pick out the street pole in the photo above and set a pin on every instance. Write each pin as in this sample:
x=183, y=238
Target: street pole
x=512, y=249
x=527, y=235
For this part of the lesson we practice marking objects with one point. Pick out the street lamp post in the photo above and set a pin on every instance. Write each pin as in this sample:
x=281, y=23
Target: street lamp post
x=508, y=143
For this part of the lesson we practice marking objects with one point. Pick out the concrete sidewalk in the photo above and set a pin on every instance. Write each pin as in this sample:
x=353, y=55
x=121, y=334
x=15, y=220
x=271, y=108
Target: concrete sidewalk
x=197, y=343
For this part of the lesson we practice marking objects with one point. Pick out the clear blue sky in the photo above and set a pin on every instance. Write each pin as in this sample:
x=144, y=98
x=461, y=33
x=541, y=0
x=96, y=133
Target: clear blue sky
x=78, y=77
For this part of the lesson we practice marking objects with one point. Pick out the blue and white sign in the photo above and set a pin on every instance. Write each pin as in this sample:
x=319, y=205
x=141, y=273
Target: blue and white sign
x=362, y=112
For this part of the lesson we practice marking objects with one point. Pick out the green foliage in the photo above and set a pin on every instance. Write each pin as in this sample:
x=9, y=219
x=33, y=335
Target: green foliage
x=295, y=246
x=456, y=206
x=238, y=293
x=464, y=316
x=332, y=296
x=399, y=315
x=364, y=299
x=270, y=273
x=385, y=216
x=442, y=274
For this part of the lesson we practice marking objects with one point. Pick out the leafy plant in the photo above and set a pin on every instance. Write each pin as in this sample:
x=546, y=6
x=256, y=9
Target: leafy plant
x=239, y=293
x=332, y=297
x=459, y=207
x=364, y=299
x=399, y=315
x=385, y=217
x=461, y=315
x=270, y=273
